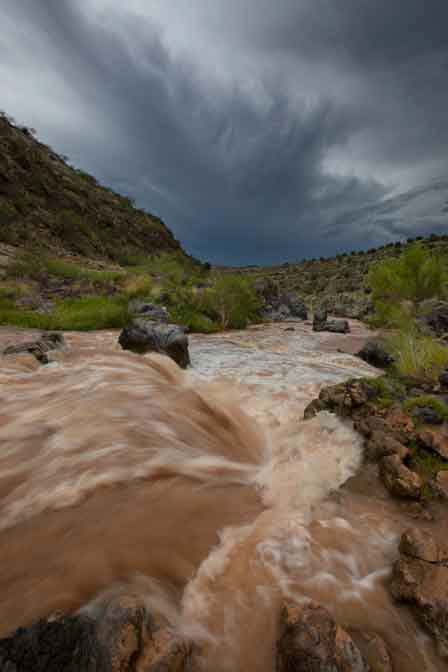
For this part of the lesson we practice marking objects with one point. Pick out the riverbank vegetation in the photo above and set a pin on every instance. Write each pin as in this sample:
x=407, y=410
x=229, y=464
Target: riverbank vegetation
x=63, y=294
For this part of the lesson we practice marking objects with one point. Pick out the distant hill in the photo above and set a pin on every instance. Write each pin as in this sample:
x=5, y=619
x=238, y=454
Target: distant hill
x=46, y=204
x=340, y=282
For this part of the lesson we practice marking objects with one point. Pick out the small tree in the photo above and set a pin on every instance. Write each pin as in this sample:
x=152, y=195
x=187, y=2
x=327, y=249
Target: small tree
x=234, y=301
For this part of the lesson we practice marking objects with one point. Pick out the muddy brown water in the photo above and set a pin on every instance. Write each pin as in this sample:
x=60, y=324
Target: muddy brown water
x=204, y=489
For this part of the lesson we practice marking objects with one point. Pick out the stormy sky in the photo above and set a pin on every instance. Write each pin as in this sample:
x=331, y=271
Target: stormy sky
x=259, y=131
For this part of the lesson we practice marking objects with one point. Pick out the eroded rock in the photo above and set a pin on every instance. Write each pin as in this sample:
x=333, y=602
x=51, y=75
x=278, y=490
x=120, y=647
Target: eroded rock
x=420, y=578
x=435, y=440
x=311, y=641
x=381, y=444
x=398, y=479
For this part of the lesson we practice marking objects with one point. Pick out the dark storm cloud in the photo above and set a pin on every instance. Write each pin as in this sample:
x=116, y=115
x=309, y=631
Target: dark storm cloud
x=283, y=130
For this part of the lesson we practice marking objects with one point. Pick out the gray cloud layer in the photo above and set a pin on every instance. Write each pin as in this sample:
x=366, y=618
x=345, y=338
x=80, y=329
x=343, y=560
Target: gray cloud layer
x=259, y=131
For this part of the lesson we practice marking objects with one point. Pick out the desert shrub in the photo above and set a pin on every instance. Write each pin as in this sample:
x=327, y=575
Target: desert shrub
x=137, y=286
x=26, y=265
x=232, y=301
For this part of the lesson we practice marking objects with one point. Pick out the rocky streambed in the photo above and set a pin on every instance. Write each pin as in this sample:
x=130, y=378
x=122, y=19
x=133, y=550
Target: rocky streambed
x=159, y=519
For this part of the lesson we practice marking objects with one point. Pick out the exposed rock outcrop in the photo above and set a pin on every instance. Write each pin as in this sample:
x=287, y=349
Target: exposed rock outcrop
x=434, y=317
x=420, y=578
x=143, y=336
x=278, y=306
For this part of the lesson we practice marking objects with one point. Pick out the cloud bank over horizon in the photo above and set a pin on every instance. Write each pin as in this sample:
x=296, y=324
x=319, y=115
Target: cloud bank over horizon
x=260, y=132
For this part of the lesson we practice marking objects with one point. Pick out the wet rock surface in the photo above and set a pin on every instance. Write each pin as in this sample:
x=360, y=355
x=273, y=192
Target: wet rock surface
x=311, y=641
x=143, y=336
x=420, y=578
x=398, y=479
x=119, y=637
x=322, y=323
x=38, y=348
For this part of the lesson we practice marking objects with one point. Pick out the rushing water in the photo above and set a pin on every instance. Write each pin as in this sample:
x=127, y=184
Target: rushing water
x=205, y=489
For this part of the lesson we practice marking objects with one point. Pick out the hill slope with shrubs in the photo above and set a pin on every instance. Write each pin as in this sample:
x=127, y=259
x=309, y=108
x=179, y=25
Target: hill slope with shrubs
x=45, y=204
x=340, y=282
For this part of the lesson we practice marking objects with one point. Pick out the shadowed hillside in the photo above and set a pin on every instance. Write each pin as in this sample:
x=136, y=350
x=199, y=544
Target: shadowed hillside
x=46, y=204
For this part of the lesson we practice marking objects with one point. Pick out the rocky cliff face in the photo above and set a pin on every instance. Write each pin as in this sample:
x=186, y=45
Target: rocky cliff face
x=46, y=204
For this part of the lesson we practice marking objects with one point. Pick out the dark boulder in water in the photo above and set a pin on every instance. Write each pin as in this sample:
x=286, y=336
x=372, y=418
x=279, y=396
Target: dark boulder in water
x=143, y=336
x=118, y=637
x=375, y=354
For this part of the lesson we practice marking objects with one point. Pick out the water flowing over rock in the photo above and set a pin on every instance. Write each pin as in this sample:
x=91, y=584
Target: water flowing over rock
x=420, y=578
x=143, y=336
x=39, y=348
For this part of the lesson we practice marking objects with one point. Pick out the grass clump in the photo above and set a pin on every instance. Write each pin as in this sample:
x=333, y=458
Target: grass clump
x=426, y=463
x=68, y=270
x=232, y=302
x=417, y=356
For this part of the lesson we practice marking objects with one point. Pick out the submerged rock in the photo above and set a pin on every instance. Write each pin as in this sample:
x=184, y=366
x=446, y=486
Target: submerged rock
x=311, y=641
x=420, y=578
x=375, y=354
x=143, y=336
x=39, y=348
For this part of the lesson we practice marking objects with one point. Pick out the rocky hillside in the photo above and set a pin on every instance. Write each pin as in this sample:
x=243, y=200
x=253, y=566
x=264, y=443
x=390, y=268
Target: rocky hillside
x=46, y=204
x=340, y=282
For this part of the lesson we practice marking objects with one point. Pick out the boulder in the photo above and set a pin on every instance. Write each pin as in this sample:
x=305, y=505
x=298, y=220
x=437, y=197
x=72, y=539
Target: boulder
x=337, y=326
x=398, y=479
x=143, y=336
x=119, y=637
x=311, y=641
x=427, y=415
x=39, y=348
x=420, y=578
x=435, y=440
x=139, y=307
x=375, y=354
x=381, y=444
x=322, y=323
x=433, y=317
x=268, y=291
